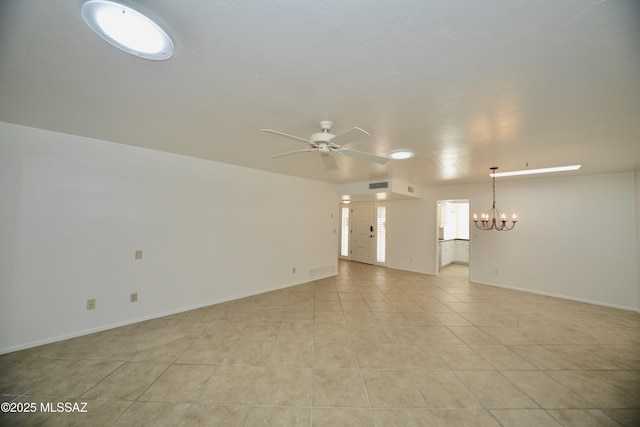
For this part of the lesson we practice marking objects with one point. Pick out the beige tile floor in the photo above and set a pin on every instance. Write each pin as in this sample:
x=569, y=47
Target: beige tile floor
x=370, y=347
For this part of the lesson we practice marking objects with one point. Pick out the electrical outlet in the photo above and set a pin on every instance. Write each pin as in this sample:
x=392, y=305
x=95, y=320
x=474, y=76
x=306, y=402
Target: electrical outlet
x=91, y=304
x=138, y=254
x=134, y=297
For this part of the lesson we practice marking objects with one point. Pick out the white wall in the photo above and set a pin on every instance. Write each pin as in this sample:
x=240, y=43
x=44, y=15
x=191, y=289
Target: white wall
x=576, y=237
x=457, y=224
x=450, y=212
x=73, y=211
x=463, y=220
x=411, y=235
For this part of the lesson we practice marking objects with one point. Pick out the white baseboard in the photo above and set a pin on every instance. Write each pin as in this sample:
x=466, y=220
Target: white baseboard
x=566, y=297
x=83, y=332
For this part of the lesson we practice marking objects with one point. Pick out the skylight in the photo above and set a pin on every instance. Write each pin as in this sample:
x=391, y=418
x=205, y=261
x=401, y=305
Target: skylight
x=534, y=171
x=127, y=29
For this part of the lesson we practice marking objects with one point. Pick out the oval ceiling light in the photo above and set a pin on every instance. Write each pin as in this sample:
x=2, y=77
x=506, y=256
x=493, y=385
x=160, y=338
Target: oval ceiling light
x=401, y=154
x=127, y=29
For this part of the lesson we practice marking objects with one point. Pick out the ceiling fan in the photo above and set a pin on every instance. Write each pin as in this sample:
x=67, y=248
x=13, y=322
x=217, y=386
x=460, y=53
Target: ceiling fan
x=327, y=144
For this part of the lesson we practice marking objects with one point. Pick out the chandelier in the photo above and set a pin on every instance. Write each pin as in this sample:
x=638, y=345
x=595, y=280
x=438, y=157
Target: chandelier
x=494, y=218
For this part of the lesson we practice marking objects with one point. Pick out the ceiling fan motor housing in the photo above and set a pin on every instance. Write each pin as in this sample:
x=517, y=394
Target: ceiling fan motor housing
x=322, y=137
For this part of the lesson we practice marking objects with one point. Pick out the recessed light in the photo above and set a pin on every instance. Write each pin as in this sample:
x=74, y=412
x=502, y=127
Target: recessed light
x=127, y=29
x=534, y=171
x=401, y=154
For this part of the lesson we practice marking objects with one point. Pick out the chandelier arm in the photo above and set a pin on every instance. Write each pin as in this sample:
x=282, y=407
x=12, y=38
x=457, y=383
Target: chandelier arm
x=493, y=224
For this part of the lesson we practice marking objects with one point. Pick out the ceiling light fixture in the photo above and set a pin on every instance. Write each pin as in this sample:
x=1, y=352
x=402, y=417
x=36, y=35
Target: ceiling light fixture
x=494, y=219
x=127, y=29
x=534, y=171
x=401, y=154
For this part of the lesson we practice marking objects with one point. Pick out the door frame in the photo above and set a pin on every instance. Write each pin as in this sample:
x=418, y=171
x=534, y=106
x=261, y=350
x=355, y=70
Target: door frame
x=374, y=207
x=437, y=231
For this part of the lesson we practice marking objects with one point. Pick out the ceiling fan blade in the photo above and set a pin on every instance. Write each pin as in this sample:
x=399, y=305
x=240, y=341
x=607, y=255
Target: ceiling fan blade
x=364, y=156
x=329, y=162
x=287, y=135
x=291, y=152
x=349, y=136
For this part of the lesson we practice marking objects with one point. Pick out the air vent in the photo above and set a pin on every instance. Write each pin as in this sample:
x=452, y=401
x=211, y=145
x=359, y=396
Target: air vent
x=325, y=271
x=375, y=185
x=379, y=190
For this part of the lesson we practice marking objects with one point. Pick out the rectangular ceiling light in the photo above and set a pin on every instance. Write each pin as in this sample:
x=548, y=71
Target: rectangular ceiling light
x=534, y=171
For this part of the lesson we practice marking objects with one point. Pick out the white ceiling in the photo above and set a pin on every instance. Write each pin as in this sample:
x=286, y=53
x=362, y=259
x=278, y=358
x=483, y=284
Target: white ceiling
x=467, y=84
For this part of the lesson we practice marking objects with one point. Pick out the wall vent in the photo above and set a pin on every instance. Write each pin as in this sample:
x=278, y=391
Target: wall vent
x=380, y=190
x=325, y=271
x=375, y=185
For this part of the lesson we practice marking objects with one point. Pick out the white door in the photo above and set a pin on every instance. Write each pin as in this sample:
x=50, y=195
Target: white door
x=363, y=236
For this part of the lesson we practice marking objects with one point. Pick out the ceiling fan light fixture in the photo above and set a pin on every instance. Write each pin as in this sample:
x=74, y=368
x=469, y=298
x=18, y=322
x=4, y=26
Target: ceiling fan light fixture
x=401, y=154
x=127, y=29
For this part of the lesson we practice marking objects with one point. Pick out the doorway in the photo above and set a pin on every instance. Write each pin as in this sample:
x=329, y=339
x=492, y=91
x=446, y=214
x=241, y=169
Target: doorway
x=452, y=231
x=363, y=233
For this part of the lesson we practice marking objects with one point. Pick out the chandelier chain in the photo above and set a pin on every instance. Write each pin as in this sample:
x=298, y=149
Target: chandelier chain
x=494, y=189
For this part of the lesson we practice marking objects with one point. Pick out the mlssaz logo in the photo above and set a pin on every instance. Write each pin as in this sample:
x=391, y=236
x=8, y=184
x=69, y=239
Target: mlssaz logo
x=63, y=407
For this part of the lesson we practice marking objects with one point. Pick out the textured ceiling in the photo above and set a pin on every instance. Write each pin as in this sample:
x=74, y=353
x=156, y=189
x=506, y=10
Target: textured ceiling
x=466, y=84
